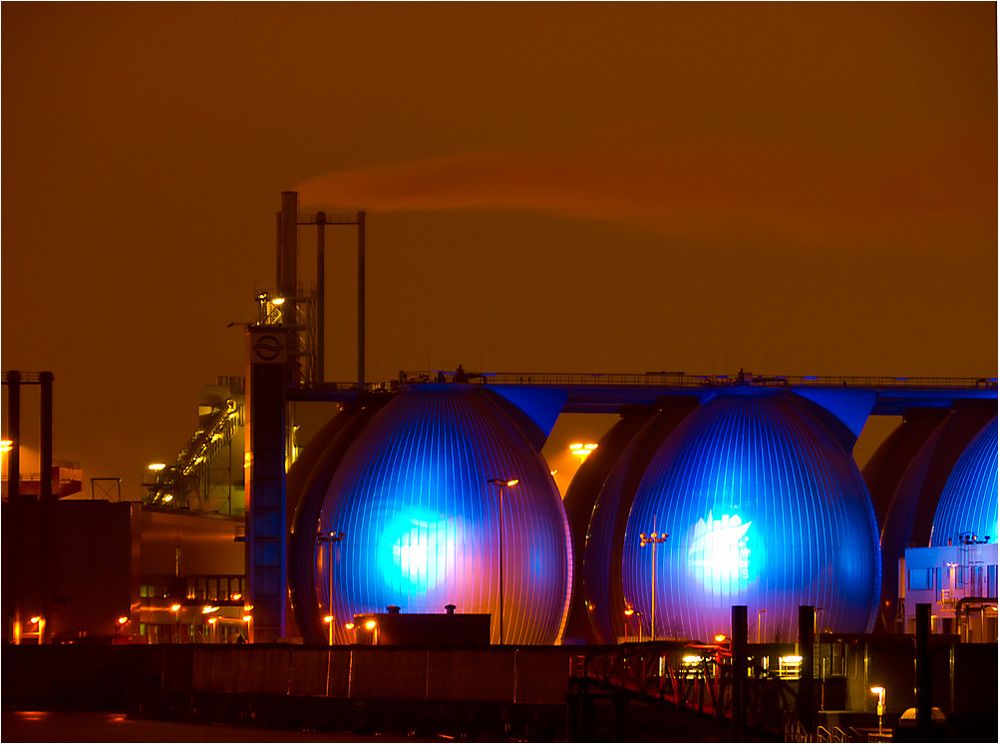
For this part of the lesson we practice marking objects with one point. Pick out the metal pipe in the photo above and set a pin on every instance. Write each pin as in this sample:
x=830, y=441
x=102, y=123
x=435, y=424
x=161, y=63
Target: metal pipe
x=361, y=298
x=45, y=442
x=500, y=487
x=288, y=277
x=277, y=252
x=320, y=295
x=14, y=434
x=15, y=581
x=923, y=665
x=739, y=642
x=45, y=497
x=288, y=286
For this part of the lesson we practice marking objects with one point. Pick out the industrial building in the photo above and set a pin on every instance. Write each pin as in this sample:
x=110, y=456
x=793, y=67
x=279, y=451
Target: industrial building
x=722, y=518
x=429, y=490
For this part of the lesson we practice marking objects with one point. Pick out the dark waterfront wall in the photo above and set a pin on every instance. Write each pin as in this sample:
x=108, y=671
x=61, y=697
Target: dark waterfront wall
x=482, y=690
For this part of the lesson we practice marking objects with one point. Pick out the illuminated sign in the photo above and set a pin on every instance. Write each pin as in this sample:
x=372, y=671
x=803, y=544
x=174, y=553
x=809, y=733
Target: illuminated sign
x=719, y=552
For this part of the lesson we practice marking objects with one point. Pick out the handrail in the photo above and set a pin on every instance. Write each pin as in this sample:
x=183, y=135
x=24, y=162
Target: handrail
x=196, y=455
x=686, y=380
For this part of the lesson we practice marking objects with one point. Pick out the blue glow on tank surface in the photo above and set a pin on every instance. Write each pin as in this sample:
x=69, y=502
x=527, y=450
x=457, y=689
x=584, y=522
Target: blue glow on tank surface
x=421, y=522
x=764, y=508
x=968, y=503
x=720, y=551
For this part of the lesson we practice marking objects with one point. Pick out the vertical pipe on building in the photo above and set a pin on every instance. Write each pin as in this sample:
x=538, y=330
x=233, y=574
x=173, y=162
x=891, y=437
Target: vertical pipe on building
x=320, y=295
x=288, y=282
x=45, y=443
x=45, y=497
x=807, y=687
x=14, y=434
x=13, y=611
x=739, y=637
x=923, y=665
x=277, y=251
x=288, y=277
x=361, y=298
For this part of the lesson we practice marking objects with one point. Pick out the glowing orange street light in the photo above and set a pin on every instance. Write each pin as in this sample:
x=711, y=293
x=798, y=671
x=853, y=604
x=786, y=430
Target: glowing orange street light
x=175, y=609
x=582, y=449
x=328, y=620
x=40, y=622
x=156, y=466
x=370, y=624
x=6, y=446
x=629, y=613
x=880, y=706
x=500, y=484
x=655, y=539
x=349, y=626
x=331, y=538
x=212, y=626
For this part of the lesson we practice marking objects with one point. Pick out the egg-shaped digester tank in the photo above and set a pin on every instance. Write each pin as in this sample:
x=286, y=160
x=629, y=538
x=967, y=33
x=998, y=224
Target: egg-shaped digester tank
x=421, y=521
x=763, y=508
x=968, y=504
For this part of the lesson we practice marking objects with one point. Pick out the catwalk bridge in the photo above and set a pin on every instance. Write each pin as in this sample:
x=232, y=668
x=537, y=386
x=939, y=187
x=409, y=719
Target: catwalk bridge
x=595, y=393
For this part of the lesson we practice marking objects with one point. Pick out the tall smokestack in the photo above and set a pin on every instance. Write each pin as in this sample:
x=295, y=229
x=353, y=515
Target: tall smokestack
x=361, y=298
x=320, y=296
x=288, y=276
x=14, y=433
x=45, y=445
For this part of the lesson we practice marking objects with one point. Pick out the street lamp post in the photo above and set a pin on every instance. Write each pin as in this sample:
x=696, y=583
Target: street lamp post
x=629, y=612
x=500, y=484
x=176, y=610
x=880, y=706
x=330, y=538
x=653, y=539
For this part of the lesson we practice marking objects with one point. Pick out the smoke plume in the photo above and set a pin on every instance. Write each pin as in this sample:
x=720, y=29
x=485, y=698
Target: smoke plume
x=709, y=190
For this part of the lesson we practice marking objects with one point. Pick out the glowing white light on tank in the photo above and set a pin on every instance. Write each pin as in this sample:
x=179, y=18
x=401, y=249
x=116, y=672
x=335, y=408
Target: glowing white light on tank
x=719, y=551
x=421, y=553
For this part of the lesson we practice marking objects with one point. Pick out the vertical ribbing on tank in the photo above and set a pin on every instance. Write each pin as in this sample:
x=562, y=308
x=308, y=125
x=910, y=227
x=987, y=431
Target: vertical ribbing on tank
x=760, y=460
x=968, y=501
x=421, y=519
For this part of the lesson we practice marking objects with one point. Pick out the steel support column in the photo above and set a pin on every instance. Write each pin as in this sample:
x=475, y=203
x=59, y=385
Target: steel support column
x=739, y=639
x=267, y=520
x=923, y=671
x=807, y=687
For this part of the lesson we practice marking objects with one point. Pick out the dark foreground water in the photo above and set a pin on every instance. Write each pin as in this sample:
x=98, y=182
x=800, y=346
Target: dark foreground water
x=51, y=726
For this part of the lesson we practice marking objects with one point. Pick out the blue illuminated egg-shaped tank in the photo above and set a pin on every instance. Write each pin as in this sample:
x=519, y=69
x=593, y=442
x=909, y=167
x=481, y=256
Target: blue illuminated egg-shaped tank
x=422, y=522
x=764, y=508
x=968, y=504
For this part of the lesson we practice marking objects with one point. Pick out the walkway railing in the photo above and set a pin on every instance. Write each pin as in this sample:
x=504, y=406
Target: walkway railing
x=686, y=380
